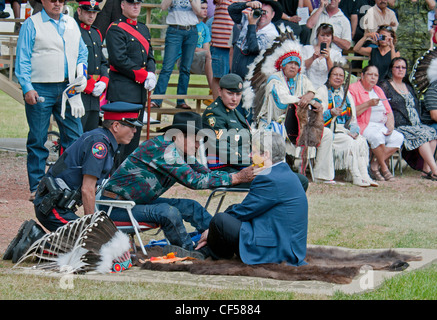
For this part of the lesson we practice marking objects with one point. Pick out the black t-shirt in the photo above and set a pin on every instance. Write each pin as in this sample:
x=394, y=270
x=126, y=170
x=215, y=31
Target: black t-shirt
x=289, y=6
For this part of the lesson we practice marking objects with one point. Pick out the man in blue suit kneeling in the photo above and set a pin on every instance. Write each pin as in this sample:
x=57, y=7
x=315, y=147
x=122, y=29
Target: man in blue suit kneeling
x=270, y=225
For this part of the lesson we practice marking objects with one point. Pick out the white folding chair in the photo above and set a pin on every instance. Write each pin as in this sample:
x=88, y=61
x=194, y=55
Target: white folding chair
x=131, y=228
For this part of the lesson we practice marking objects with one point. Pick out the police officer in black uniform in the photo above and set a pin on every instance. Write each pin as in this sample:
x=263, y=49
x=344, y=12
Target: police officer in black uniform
x=84, y=165
x=132, y=64
x=98, y=66
x=76, y=176
x=231, y=129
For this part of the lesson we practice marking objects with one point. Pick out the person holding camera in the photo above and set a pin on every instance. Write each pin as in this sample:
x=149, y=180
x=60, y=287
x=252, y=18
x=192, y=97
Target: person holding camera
x=256, y=29
x=382, y=55
x=320, y=58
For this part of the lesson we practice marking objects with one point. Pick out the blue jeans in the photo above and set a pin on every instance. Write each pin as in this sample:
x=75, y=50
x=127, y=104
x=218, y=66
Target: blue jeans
x=38, y=119
x=177, y=41
x=170, y=215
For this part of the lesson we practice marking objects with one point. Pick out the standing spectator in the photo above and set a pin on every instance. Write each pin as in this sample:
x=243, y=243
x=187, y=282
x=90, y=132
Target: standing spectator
x=413, y=27
x=221, y=43
x=98, y=67
x=132, y=65
x=291, y=19
x=350, y=10
x=380, y=15
x=50, y=55
x=181, y=34
x=256, y=33
x=328, y=12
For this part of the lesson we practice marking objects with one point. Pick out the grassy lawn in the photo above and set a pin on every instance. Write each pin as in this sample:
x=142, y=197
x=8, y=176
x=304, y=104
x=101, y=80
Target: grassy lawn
x=394, y=215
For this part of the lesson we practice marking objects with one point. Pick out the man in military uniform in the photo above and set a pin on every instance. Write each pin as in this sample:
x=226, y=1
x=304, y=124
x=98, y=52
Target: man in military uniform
x=74, y=179
x=131, y=62
x=98, y=66
x=232, y=148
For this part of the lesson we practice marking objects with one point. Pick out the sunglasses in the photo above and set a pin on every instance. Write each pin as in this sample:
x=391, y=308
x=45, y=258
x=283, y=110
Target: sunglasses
x=388, y=28
x=54, y=1
x=126, y=124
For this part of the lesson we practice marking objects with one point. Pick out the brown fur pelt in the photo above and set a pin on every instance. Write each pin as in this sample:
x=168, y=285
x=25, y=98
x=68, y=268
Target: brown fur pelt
x=324, y=264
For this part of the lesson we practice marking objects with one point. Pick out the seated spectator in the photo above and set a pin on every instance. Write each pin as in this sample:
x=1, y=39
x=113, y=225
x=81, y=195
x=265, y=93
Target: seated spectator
x=256, y=32
x=291, y=19
x=289, y=86
x=154, y=167
x=379, y=15
x=429, y=111
x=406, y=109
x=328, y=12
x=319, y=61
x=382, y=55
x=351, y=151
x=270, y=224
x=233, y=133
x=376, y=121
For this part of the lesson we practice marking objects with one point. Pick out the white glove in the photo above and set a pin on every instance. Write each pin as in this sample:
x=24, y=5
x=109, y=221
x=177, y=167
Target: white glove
x=81, y=76
x=150, y=82
x=75, y=101
x=99, y=87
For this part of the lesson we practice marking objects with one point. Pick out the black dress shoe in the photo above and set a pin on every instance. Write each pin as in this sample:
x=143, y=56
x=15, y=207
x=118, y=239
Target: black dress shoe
x=32, y=232
x=4, y=15
x=10, y=249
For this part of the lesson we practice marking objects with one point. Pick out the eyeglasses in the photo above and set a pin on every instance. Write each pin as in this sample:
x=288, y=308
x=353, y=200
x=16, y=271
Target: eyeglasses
x=400, y=67
x=54, y=1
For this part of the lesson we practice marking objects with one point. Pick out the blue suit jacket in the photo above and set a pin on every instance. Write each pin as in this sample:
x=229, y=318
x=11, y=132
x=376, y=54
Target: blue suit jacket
x=274, y=218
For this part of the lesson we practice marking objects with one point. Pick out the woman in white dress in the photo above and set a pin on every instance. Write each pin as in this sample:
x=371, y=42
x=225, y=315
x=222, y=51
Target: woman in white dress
x=318, y=60
x=351, y=151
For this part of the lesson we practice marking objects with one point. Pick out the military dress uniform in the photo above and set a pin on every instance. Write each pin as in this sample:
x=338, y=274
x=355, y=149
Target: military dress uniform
x=130, y=56
x=92, y=154
x=232, y=131
x=98, y=69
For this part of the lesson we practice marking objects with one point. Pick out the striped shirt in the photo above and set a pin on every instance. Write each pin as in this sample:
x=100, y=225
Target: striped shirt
x=222, y=25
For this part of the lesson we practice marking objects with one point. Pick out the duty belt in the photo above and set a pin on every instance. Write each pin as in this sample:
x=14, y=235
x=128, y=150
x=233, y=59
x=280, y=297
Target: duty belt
x=112, y=195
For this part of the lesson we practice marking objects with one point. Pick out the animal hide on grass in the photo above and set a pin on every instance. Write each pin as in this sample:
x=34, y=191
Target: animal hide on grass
x=324, y=264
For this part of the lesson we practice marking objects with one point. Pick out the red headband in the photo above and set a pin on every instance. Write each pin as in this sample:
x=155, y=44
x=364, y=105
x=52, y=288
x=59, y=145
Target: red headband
x=278, y=63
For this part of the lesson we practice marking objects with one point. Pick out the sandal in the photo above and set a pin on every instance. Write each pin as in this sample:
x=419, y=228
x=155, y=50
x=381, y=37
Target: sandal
x=426, y=175
x=388, y=176
x=376, y=175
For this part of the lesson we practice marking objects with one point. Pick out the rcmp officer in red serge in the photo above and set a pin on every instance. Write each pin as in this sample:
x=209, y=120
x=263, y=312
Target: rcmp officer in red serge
x=132, y=65
x=75, y=177
x=98, y=66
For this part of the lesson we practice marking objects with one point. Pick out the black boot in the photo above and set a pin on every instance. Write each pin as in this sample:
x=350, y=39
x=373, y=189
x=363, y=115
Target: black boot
x=32, y=232
x=10, y=249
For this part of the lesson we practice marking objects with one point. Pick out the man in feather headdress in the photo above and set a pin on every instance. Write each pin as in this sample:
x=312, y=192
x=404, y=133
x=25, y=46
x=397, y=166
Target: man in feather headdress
x=287, y=86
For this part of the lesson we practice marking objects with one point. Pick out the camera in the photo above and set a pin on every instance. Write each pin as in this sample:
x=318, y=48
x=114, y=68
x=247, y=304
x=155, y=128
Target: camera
x=257, y=13
x=381, y=37
x=322, y=46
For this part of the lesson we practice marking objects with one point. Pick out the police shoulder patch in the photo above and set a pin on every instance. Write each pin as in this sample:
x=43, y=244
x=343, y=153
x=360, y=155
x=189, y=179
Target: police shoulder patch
x=211, y=121
x=99, y=150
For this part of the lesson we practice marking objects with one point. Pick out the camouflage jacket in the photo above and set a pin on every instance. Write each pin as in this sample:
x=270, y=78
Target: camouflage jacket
x=155, y=166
